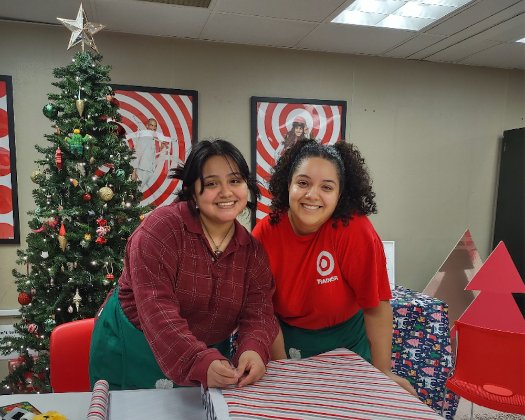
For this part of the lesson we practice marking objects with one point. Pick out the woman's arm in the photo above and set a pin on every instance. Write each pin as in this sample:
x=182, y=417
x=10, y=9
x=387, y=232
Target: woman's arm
x=378, y=323
x=278, y=349
x=258, y=326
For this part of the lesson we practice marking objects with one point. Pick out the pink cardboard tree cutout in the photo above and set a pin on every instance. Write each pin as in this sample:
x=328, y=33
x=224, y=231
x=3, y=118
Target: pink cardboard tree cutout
x=450, y=281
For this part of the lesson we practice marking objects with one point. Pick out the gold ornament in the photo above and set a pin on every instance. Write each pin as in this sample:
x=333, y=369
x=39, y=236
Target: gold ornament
x=87, y=236
x=74, y=182
x=62, y=241
x=105, y=193
x=77, y=299
x=80, y=103
x=92, y=160
x=82, y=31
x=141, y=217
x=35, y=175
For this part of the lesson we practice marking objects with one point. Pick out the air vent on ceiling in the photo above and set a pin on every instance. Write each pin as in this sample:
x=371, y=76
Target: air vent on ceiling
x=191, y=3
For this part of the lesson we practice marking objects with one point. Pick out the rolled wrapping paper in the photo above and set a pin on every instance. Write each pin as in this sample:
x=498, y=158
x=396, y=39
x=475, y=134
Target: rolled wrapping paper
x=99, y=406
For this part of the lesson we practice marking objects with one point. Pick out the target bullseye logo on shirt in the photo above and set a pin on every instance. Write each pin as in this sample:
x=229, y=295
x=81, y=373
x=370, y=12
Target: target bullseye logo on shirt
x=325, y=266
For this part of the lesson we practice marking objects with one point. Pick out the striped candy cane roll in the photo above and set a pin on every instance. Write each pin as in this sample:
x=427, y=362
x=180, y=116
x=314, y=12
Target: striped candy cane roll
x=99, y=406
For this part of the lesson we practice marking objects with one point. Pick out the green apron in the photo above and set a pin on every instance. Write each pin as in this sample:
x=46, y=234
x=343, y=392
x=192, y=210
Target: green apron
x=351, y=334
x=120, y=353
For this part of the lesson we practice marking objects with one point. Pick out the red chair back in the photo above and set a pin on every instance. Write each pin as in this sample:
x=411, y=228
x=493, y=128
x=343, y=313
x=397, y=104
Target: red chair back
x=490, y=368
x=69, y=356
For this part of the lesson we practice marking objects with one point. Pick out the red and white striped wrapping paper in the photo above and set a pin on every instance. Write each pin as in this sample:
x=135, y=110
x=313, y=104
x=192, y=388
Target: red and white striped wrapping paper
x=334, y=385
x=99, y=406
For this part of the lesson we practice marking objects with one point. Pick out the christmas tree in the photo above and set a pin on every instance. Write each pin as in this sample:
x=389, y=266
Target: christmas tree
x=87, y=206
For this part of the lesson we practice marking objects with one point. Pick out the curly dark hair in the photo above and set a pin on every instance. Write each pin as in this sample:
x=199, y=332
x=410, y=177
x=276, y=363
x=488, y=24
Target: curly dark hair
x=192, y=169
x=356, y=196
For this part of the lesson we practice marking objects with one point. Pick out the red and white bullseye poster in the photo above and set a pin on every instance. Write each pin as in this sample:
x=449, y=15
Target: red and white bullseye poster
x=160, y=126
x=9, y=227
x=277, y=123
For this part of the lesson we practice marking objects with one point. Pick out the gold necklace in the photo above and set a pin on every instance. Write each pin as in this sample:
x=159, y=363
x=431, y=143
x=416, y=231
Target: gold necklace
x=217, y=250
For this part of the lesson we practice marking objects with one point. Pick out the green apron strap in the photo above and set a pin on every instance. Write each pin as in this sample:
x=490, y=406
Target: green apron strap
x=121, y=354
x=351, y=334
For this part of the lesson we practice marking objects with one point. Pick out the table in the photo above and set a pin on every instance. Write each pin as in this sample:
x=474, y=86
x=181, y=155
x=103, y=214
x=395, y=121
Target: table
x=158, y=404
x=353, y=388
x=421, y=350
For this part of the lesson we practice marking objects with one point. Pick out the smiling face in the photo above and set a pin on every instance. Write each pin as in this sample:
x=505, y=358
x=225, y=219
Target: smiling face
x=151, y=125
x=298, y=130
x=313, y=194
x=225, y=192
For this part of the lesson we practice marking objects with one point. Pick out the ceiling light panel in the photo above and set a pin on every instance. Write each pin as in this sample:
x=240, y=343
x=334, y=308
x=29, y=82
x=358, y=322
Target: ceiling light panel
x=398, y=14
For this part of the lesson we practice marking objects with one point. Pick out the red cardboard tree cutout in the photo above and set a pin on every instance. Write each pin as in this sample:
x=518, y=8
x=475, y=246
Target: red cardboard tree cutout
x=495, y=306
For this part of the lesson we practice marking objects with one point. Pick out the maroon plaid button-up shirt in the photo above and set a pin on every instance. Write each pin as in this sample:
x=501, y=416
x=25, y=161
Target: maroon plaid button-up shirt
x=183, y=299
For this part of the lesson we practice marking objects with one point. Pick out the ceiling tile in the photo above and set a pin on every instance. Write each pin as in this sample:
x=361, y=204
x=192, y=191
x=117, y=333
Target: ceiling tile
x=412, y=46
x=508, y=31
x=309, y=10
x=501, y=25
x=353, y=39
x=473, y=14
x=147, y=18
x=462, y=50
x=39, y=11
x=502, y=55
x=244, y=29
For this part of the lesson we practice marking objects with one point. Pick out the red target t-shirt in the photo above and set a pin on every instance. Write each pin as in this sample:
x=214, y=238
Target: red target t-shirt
x=324, y=278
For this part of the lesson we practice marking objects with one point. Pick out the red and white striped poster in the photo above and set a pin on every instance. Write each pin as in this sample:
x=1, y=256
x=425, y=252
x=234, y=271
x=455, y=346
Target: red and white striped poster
x=9, y=227
x=278, y=122
x=160, y=125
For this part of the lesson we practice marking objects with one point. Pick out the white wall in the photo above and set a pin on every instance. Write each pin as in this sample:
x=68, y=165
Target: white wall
x=429, y=132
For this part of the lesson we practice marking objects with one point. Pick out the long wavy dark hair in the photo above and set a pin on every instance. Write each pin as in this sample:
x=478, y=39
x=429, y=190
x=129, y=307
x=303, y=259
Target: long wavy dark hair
x=190, y=171
x=356, y=195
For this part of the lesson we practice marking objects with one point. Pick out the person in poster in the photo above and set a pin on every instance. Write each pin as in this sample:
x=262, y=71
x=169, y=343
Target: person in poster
x=152, y=150
x=298, y=132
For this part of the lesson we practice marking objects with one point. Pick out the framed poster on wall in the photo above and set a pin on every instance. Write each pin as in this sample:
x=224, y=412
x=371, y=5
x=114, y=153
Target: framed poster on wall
x=9, y=222
x=276, y=123
x=160, y=125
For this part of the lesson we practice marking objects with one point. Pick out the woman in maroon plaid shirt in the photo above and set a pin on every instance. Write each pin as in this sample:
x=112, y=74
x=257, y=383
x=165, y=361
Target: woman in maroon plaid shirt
x=192, y=276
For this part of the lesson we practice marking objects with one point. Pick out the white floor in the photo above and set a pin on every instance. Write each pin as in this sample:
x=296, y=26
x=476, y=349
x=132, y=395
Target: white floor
x=482, y=413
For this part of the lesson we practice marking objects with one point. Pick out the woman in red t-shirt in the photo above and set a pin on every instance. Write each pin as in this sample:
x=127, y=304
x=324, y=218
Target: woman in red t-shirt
x=328, y=262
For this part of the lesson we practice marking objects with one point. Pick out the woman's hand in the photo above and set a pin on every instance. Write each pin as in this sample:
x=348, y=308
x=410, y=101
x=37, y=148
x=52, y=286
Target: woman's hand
x=402, y=382
x=251, y=368
x=221, y=374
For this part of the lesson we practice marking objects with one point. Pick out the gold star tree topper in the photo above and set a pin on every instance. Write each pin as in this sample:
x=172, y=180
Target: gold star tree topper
x=82, y=31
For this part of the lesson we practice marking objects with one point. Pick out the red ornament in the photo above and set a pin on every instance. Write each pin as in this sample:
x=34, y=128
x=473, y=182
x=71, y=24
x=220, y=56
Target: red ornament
x=110, y=276
x=86, y=197
x=52, y=223
x=102, y=222
x=58, y=158
x=32, y=328
x=119, y=129
x=62, y=230
x=24, y=298
x=113, y=100
x=101, y=240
